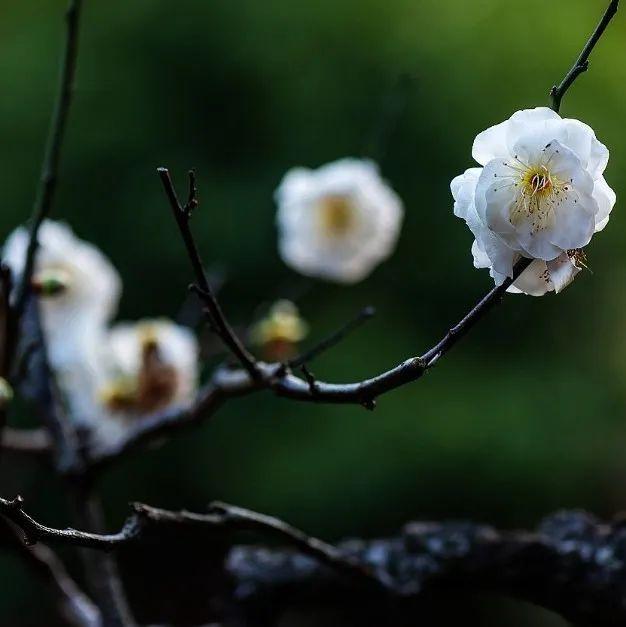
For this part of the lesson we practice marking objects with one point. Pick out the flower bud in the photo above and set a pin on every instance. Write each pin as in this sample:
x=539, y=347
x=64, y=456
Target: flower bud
x=280, y=331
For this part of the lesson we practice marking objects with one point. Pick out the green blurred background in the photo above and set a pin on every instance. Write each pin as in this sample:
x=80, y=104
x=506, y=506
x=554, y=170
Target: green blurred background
x=526, y=416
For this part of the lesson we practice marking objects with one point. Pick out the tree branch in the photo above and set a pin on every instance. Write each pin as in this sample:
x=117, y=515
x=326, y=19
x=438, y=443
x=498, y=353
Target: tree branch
x=582, y=62
x=363, y=316
x=146, y=521
x=100, y=569
x=573, y=565
x=214, y=312
x=52, y=157
x=77, y=609
x=227, y=383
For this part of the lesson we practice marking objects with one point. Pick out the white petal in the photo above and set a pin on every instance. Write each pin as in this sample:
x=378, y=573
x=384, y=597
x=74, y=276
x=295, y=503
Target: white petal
x=605, y=197
x=496, y=194
x=562, y=272
x=463, y=187
x=491, y=144
x=534, y=281
x=593, y=154
x=496, y=141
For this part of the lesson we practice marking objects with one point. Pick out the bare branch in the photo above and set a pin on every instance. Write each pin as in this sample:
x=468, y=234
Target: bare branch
x=77, y=609
x=363, y=316
x=52, y=157
x=582, y=62
x=147, y=520
x=572, y=564
x=101, y=572
x=216, y=317
x=226, y=384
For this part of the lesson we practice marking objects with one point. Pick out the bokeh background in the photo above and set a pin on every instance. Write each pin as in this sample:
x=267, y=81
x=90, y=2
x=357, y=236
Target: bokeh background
x=526, y=416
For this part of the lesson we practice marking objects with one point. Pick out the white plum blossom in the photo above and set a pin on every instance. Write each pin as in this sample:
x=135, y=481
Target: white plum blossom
x=153, y=366
x=337, y=222
x=78, y=290
x=539, y=194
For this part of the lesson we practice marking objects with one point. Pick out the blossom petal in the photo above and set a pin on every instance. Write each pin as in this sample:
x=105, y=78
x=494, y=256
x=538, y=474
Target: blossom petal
x=605, y=197
x=562, y=272
x=462, y=188
x=534, y=281
x=495, y=142
x=592, y=153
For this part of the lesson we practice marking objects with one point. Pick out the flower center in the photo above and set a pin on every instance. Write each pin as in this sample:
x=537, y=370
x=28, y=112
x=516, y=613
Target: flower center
x=537, y=181
x=336, y=215
x=153, y=388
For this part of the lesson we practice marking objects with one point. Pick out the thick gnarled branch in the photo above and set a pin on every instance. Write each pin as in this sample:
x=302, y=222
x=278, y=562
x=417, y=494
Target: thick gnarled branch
x=573, y=565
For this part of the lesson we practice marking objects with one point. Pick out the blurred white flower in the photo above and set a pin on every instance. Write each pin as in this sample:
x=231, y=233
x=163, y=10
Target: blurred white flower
x=337, y=222
x=154, y=366
x=79, y=291
x=540, y=194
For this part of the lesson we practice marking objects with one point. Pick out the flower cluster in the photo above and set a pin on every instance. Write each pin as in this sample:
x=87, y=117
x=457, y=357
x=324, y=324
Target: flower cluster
x=539, y=194
x=108, y=374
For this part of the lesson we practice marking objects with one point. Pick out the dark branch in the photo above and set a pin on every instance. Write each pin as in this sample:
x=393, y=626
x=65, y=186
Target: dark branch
x=52, y=157
x=224, y=384
x=582, y=62
x=147, y=520
x=100, y=569
x=77, y=609
x=216, y=317
x=227, y=384
x=572, y=565
x=363, y=316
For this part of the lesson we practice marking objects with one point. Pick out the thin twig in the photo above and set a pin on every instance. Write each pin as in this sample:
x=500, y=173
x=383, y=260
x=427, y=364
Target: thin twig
x=363, y=316
x=52, y=157
x=214, y=311
x=582, y=62
x=74, y=605
x=226, y=384
x=147, y=520
x=364, y=392
x=103, y=579
x=44, y=196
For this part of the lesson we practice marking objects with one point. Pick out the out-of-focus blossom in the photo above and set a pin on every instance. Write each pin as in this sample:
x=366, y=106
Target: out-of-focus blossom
x=78, y=290
x=154, y=366
x=280, y=331
x=540, y=194
x=6, y=393
x=337, y=222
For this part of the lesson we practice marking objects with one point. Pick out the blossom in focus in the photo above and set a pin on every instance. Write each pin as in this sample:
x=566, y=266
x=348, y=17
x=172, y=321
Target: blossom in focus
x=337, y=222
x=280, y=331
x=153, y=366
x=539, y=194
x=78, y=291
